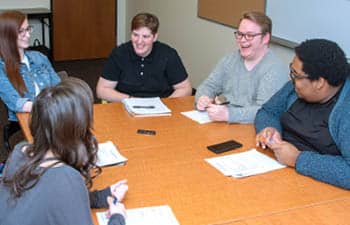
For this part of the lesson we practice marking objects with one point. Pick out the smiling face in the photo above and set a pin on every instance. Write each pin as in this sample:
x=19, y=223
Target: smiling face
x=142, y=41
x=255, y=48
x=24, y=35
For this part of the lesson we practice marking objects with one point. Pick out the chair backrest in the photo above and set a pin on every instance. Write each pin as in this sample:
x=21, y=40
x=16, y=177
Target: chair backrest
x=62, y=74
x=9, y=128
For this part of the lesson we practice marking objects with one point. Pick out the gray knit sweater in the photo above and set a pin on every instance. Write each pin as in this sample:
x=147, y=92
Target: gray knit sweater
x=246, y=90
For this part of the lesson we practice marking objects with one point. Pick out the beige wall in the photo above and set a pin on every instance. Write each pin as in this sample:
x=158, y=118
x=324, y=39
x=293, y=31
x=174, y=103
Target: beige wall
x=199, y=42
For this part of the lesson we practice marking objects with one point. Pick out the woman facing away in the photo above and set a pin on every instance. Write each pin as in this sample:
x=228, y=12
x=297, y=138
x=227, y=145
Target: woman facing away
x=47, y=182
x=23, y=74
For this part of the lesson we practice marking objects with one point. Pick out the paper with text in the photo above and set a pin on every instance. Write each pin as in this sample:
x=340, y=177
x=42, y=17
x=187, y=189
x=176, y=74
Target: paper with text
x=156, y=215
x=146, y=106
x=198, y=116
x=108, y=154
x=244, y=164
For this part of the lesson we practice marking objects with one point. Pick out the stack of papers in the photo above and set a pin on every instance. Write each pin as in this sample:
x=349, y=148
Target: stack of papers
x=157, y=215
x=198, y=116
x=244, y=164
x=108, y=155
x=146, y=107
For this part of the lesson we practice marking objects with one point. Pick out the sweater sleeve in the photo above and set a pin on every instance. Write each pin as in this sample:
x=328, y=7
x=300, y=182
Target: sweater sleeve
x=330, y=169
x=98, y=199
x=213, y=85
x=116, y=219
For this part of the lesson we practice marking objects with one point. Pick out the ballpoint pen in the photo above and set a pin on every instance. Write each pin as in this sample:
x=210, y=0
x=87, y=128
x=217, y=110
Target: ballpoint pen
x=224, y=103
x=143, y=106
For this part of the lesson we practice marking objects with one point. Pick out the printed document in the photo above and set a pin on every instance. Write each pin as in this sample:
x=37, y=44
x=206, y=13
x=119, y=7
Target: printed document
x=156, y=215
x=198, y=116
x=146, y=107
x=108, y=155
x=244, y=164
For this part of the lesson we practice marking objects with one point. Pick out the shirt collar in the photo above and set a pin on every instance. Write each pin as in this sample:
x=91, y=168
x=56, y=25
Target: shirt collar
x=148, y=58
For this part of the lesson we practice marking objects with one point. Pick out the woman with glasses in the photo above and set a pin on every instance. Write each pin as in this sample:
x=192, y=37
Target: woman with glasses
x=23, y=74
x=306, y=124
x=246, y=77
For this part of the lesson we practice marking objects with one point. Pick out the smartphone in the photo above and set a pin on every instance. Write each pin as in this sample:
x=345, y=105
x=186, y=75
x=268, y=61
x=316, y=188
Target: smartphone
x=224, y=146
x=148, y=132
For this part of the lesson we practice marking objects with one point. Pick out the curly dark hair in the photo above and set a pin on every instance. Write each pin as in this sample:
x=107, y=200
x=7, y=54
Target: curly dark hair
x=323, y=58
x=61, y=121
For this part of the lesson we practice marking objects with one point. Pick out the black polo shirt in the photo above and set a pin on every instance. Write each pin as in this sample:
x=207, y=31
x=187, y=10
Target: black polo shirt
x=151, y=76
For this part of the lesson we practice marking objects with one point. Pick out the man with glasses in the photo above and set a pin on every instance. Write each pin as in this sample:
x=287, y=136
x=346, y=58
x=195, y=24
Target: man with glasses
x=306, y=123
x=247, y=77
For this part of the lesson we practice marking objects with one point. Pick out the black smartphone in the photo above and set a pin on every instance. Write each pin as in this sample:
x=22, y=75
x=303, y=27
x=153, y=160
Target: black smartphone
x=224, y=146
x=148, y=132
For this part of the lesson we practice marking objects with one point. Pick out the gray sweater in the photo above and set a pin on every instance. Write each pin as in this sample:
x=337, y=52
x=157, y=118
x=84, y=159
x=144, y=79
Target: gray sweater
x=245, y=90
x=60, y=197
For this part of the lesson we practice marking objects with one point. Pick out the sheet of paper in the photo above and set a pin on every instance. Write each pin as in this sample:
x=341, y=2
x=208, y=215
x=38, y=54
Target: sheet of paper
x=198, y=116
x=108, y=154
x=156, y=215
x=145, y=106
x=244, y=164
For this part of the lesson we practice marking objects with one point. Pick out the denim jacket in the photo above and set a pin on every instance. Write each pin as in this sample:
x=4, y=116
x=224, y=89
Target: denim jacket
x=41, y=72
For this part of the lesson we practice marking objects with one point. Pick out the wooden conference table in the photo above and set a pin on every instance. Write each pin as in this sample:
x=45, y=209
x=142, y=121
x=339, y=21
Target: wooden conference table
x=169, y=168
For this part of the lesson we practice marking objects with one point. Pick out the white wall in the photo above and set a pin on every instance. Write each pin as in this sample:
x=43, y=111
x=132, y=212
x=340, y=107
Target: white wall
x=20, y=4
x=199, y=42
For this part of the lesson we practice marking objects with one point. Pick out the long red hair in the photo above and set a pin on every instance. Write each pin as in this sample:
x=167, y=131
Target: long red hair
x=10, y=23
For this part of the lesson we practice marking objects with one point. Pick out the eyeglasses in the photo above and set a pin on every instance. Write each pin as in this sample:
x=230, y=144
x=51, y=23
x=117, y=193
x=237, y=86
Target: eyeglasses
x=247, y=36
x=294, y=75
x=24, y=31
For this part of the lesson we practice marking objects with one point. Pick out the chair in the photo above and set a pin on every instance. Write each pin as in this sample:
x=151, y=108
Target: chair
x=62, y=74
x=9, y=129
x=194, y=91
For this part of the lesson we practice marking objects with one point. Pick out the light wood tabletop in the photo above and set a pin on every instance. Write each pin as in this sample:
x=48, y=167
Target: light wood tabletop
x=169, y=168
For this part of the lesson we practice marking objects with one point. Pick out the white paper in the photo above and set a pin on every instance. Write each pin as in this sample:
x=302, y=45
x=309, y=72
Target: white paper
x=108, y=154
x=244, y=164
x=198, y=116
x=156, y=103
x=156, y=215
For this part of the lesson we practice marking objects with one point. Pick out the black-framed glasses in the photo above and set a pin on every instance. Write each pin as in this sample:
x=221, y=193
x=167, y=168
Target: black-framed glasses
x=248, y=36
x=23, y=32
x=294, y=75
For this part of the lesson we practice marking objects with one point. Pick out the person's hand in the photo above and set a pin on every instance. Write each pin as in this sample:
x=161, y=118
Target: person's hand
x=119, y=189
x=203, y=102
x=218, y=112
x=266, y=136
x=115, y=208
x=285, y=152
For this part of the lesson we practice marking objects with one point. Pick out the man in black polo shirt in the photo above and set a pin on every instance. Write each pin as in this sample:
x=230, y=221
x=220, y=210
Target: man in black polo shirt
x=143, y=67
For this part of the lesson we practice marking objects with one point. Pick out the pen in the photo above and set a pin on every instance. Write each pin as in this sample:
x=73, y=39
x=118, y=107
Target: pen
x=224, y=103
x=143, y=106
x=115, y=200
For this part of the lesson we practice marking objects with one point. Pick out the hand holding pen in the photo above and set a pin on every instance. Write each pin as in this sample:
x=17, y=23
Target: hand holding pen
x=119, y=189
x=115, y=207
x=204, y=102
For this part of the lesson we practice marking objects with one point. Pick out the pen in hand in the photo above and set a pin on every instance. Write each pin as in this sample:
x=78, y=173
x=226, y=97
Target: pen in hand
x=143, y=106
x=223, y=103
